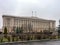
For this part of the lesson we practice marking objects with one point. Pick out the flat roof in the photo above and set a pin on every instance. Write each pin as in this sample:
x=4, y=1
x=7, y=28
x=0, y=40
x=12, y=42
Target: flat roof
x=28, y=17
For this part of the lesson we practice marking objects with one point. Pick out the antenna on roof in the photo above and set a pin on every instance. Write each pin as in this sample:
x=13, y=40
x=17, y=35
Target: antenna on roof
x=32, y=13
x=35, y=13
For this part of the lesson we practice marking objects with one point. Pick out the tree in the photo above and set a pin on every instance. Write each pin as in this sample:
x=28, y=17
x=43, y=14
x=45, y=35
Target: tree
x=47, y=33
x=5, y=30
x=59, y=29
x=19, y=30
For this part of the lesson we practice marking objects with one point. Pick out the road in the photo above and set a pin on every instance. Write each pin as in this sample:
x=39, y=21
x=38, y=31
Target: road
x=35, y=43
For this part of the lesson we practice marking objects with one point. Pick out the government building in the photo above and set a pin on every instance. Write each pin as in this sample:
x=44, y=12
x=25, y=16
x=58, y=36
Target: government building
x=28, y=24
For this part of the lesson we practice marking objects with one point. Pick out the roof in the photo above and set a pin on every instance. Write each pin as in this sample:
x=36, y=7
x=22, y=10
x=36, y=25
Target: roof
x=28, y=17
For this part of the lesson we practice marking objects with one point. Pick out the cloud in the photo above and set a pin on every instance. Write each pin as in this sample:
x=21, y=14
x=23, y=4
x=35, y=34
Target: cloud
x=49, y=9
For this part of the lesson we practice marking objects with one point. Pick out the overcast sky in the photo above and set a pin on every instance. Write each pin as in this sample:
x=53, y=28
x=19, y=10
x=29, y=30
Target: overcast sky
x=47, y=9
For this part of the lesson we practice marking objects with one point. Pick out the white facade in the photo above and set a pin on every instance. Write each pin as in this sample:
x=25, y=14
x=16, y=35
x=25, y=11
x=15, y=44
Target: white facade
x=35, y=24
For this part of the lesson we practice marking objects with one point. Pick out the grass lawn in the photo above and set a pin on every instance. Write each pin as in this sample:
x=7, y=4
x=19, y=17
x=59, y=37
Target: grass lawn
x=5, y=40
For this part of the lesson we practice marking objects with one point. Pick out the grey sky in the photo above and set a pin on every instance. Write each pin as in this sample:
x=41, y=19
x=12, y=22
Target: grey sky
x=47, y=9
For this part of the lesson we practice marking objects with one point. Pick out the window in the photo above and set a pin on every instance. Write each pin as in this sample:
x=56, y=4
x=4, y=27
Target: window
x=8, y=21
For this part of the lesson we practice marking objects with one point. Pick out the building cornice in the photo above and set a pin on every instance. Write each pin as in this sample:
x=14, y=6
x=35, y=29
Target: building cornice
x=36, y=18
